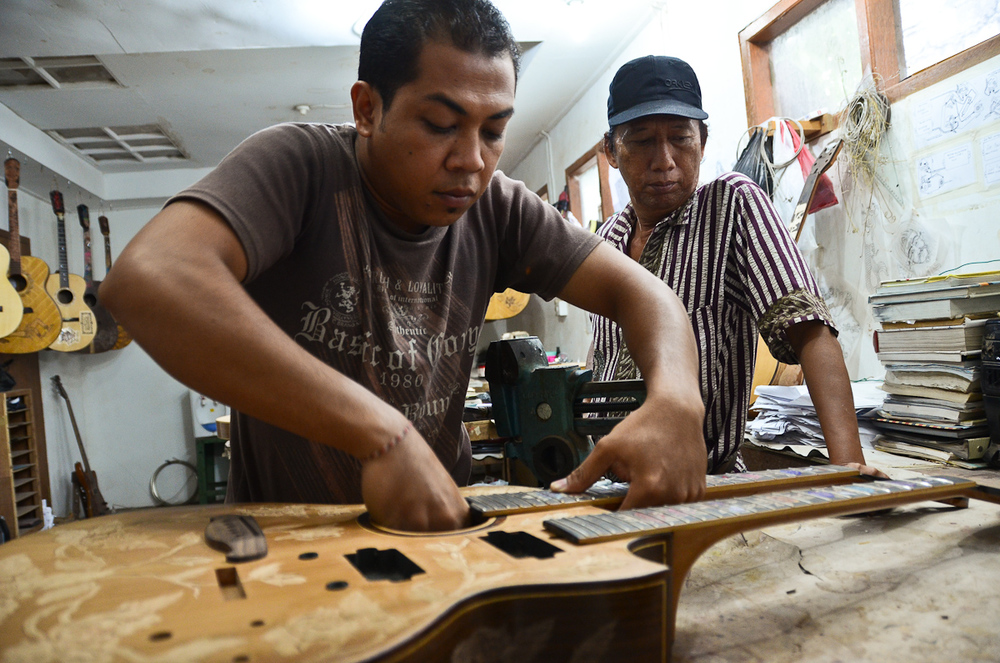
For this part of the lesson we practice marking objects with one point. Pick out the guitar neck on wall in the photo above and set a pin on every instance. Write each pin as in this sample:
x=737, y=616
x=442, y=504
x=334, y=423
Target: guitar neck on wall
x=40, y=321
x=124, y=338
x=68, y=290
x=107, y=328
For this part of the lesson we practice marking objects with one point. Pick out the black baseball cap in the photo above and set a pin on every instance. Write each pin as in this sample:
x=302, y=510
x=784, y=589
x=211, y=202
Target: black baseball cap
x=654, y=85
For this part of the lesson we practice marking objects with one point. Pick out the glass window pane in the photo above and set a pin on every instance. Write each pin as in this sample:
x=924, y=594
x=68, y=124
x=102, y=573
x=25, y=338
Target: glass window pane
x=590, y=198
x=816, y=64
x=934, y=31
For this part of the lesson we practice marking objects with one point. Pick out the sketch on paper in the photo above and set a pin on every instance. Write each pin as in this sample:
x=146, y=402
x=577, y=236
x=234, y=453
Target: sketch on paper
x=990, y=148
x=918, y=251
x=966, y=106
x=945, y=171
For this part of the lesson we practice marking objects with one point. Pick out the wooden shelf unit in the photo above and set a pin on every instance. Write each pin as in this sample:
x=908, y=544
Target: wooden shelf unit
x=21, y=480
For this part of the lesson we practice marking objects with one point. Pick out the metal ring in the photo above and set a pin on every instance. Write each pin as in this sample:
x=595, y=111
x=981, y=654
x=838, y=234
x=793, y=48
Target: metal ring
x=156, y=495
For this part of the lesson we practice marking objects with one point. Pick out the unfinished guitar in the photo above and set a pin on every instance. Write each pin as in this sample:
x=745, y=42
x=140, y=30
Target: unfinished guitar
x=295, y=582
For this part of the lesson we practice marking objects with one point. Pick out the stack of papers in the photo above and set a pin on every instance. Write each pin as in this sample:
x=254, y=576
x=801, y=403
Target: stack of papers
x=787, y=417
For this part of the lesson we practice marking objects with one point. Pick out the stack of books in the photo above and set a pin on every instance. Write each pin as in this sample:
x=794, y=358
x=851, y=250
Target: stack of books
x=930, y=345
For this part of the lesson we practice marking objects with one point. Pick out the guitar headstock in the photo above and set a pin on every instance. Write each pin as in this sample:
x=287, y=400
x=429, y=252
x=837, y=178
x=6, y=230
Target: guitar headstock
x=84, y=214
x=827, y=156
x=12, y=172
x=105, y=227
x=59, y=386
x=57, y=202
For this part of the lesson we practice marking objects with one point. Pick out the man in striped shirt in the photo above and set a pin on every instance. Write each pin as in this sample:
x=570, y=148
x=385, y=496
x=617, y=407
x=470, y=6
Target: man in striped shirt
x=723, y=249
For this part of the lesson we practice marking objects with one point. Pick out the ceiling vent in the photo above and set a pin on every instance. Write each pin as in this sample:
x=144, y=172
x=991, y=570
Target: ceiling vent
x=56, y=72
x=145, y=144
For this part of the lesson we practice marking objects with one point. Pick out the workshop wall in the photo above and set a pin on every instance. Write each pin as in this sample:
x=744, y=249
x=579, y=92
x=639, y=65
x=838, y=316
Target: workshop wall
x=934, y=219
x=132, y=415
x=936, y=208
x=712, y=49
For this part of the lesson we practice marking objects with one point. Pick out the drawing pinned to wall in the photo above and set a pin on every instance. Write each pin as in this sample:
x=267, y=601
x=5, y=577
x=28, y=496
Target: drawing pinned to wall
x=919, y=248
x=967, y=106
x=874, y=260
x=840, y=301
x=946, y=170
x=990, y=147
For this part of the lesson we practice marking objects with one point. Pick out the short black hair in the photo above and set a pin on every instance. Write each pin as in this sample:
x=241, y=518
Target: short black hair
x=395, y=35
x=609, y=135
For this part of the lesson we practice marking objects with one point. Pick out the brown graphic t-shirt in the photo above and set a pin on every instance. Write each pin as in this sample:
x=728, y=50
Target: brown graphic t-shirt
x=400, y=313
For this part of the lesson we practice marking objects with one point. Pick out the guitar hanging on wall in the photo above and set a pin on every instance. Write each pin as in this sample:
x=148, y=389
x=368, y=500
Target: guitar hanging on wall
x=767, y=369
x=124, y=338
x=40, y=321
x=84, y=478
x=78, y=325
x=107, y=328
x=11, y=307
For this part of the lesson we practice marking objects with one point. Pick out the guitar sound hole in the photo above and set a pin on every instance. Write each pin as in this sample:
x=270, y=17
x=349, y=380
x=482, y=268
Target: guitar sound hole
x=64, y=296
x=160, y=636
x=388, y=564
x=89, y=299
x=19, y=282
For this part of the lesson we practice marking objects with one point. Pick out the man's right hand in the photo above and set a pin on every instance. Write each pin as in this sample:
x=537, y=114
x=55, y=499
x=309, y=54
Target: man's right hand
x=407, y=488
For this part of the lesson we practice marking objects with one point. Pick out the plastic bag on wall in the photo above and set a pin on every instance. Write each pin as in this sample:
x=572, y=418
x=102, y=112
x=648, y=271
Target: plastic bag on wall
x=755, y=160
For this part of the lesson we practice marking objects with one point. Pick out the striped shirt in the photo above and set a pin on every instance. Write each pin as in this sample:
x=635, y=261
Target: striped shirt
x=730, y=259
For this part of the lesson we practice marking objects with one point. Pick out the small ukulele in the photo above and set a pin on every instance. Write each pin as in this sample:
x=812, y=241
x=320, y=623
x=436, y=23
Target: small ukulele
x=124, y=338
x=40, y=322
x=107, y=328
x=84, y=478
x=78, y=325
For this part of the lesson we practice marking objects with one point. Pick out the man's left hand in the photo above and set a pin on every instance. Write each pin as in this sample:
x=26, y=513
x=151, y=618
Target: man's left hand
x=659, y=449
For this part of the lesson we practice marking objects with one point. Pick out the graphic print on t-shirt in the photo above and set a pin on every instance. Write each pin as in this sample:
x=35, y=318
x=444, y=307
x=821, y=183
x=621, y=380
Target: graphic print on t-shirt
x=395, y=331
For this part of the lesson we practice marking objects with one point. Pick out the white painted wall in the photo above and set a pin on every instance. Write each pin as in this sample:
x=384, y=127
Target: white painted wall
x=711, y=47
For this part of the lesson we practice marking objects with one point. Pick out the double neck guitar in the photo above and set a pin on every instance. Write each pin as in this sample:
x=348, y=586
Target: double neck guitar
x=551, y=578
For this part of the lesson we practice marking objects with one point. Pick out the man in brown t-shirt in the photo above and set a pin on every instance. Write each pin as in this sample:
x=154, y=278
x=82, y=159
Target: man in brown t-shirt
x=330, y=284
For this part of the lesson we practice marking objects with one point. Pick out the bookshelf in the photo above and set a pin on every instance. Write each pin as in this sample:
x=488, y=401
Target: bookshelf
x=21, y=479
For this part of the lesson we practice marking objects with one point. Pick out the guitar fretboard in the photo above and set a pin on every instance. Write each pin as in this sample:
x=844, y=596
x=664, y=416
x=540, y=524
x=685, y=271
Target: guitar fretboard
x=502, y=504
x=770, y=506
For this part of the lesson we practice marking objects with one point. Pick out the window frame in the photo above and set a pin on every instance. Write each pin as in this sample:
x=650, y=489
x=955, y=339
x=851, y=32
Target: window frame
x=573, y=171
x=880, y=46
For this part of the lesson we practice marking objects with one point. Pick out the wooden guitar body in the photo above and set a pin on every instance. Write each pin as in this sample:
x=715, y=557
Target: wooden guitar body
x=41, y=321
x=146, y=585
x=506, y=304
x=106, y=336
x=77, y=327
x=39, y=324
x=11, y=308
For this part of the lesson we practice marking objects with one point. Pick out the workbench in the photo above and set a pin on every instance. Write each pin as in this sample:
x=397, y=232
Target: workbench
x=920, y=583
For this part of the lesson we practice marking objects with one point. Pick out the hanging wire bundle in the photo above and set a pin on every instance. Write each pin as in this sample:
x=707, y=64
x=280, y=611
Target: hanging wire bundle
x=864, y=122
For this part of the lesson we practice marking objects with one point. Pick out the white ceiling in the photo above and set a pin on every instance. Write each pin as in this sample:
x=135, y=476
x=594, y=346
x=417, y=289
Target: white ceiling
x=211, y=72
